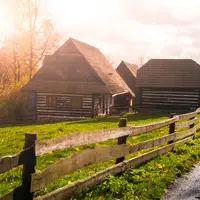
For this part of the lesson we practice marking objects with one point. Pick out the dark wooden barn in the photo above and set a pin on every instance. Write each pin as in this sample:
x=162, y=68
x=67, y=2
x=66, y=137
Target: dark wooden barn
x=128, y=71
x=76, y=81
x=172, y=84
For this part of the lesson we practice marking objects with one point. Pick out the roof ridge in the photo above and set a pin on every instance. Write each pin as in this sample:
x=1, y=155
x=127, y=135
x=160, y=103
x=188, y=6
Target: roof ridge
x=172, y=59
x=84, y=43
x=92, y=48
x=129, y=63
x=75, y=43
x=131, y=67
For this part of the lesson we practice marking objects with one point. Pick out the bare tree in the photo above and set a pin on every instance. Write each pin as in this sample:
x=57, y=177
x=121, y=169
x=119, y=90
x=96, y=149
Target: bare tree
x=141, y=60
x=39, y=33
x=4, y=69
x=34, y=37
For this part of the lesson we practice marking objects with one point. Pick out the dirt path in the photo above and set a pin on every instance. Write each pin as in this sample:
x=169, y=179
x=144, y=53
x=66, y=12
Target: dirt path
x=186, y=187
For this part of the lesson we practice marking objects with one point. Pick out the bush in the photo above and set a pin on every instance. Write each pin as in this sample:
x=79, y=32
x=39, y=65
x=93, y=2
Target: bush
x=13, y=104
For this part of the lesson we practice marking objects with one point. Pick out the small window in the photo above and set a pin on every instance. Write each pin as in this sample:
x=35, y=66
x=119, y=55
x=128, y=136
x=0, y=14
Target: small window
x=76, y=102
x=51, y=101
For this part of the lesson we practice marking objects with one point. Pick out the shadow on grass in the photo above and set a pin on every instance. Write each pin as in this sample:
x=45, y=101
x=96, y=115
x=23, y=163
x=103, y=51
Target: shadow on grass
x=139, y=117
x=130, y=117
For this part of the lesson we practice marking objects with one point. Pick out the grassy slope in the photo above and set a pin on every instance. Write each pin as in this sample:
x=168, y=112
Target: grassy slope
x=12, y=139
x=148, y=181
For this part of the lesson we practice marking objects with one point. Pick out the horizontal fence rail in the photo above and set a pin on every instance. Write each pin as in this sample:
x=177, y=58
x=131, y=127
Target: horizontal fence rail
x=88, y=157
x=27, y=158
x=18, y=119
x=81, y=185
x=78, y=139
x=187, y=123
x=9, y=162
x=32, y=182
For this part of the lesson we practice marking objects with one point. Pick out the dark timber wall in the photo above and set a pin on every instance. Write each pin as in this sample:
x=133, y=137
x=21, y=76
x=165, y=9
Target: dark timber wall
x=91, y=105
x=127, y=76
x=63, y=106
x=168, y=83
x=177, y=98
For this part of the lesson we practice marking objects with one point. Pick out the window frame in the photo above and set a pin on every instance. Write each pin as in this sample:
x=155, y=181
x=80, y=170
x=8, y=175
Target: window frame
x=75, y=98
x=51, y=101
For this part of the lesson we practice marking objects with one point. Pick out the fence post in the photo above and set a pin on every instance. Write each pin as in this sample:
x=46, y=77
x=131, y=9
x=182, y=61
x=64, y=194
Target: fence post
x=171, y=126
x=192, y=125
x=29, y=166
x=122, y=140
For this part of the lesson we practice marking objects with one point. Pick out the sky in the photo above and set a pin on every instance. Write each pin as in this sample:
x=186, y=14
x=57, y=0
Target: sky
x=128, y=29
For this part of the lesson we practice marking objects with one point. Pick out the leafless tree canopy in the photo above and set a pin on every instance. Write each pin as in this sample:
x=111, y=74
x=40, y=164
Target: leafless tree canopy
x=34, y=37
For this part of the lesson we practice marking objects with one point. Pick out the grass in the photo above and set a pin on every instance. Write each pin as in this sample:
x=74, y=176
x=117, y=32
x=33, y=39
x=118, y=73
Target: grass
x=145, y=182
x=12, y=137
x=148, y=181
x=12, y=140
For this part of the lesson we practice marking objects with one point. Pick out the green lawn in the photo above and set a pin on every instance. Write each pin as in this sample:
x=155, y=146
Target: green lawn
x=148, y=181
x=12, y=140
x=12, y=137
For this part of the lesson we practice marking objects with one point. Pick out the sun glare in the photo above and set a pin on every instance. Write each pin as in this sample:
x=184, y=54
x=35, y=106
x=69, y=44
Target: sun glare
x=5, y=23
x=2, y=22
x=79, y=12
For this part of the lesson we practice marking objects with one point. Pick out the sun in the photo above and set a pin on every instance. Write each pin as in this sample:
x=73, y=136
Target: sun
x=5, y=22
x=83, y=12
x=2, y=24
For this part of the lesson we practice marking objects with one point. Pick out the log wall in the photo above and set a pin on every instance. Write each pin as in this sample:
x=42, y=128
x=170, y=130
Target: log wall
x=92, y=105
x=63, y=106
x=188, y=98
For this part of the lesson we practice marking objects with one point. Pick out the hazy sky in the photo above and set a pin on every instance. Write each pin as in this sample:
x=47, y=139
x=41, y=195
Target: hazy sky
x=129, y=29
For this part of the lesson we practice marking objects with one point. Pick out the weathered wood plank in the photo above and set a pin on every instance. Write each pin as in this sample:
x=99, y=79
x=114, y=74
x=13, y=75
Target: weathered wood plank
x=13, y=195
x=150, y=127
x=67, y=95
x=9, y=196
x=80, y=185
x=75, y=162
x=187, y=115
x=198, y=119
x=183, y=134
x=152, y=143
x=56, y=110
x=91, y=156
x=186, y=124
x=78, y=139
x=197, y=127
x=29, y=167
x=198, y=110
x=9, y=162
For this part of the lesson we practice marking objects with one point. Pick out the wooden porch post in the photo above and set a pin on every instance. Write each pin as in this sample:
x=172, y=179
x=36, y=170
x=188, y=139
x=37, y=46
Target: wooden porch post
x=106, y=96
x=103, y=104
x=138, y=98
x=93, y=109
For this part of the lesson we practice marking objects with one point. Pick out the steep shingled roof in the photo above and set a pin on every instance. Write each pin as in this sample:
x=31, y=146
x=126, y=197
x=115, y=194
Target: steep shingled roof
x=132, y=67
x=76, y=63
x=128, y=71
x=169, y=73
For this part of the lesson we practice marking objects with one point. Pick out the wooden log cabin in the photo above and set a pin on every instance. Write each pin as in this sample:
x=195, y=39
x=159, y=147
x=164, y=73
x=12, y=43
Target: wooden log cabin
x=127, y=72
x=76, y=81
x=168, y=84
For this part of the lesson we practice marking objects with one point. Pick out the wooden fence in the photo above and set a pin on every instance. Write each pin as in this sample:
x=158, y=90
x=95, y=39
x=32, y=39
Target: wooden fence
x=18, y=119
x=32, y=182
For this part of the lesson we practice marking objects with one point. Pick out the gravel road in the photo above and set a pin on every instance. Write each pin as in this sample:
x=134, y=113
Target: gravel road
x=185, y=188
